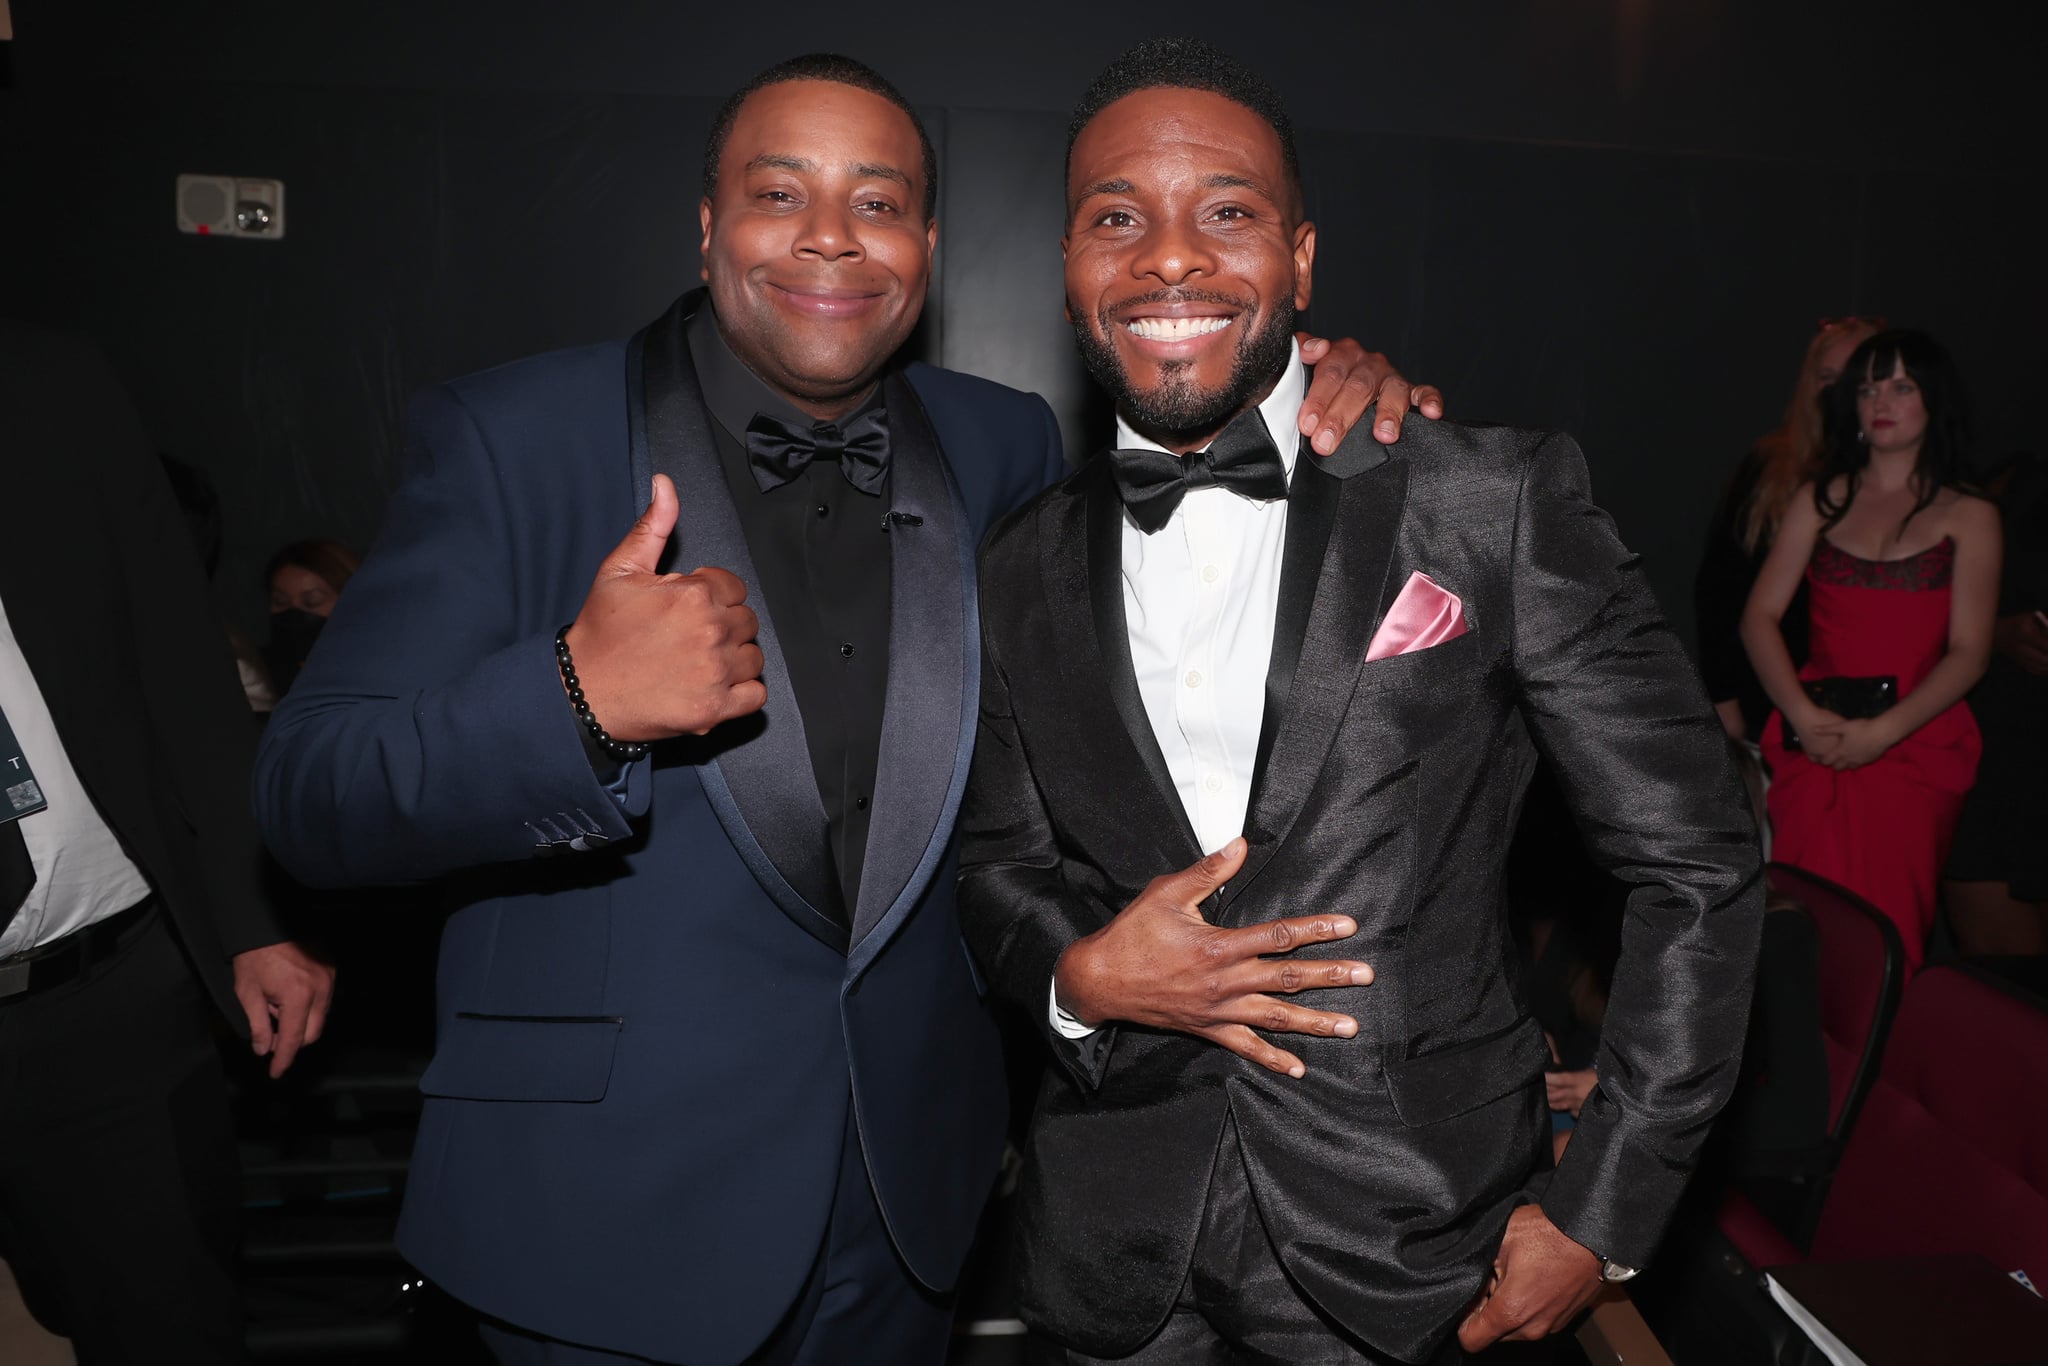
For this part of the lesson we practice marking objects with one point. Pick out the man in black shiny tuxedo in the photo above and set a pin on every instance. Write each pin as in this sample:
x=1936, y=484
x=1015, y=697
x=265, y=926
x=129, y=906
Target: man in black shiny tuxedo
x=1318, y=689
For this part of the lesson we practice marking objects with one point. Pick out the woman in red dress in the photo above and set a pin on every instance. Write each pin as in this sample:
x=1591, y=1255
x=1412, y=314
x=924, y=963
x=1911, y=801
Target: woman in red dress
x=1871, y=747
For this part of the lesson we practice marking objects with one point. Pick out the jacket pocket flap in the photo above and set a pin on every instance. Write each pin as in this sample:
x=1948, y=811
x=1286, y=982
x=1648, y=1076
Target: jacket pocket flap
x=524, y=1057
x=1466, y=1076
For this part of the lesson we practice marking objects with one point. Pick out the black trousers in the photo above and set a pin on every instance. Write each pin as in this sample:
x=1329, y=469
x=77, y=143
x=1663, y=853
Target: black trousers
x=1239, y=1307
x=119, y=1185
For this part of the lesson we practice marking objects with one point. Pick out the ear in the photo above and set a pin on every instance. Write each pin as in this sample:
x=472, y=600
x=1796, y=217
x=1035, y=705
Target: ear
x=1304, y=264
x=704, y=245
x=931, y=237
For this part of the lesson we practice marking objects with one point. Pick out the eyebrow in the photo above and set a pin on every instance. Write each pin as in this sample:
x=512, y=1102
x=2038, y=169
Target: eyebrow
x=866, y=170
x=1221, y=180
x=782, y=161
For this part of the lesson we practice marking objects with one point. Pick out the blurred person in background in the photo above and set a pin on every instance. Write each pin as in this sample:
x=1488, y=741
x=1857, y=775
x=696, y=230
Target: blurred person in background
x=1997, y=892
x=1566, y=913
x=199, y=500
x=305, y=578
x=131, y=915
x=1746, y=522
x=1872, y=747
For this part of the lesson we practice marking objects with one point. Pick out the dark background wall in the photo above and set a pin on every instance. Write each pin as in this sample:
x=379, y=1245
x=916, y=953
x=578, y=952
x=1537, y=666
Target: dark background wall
x=1615, y=216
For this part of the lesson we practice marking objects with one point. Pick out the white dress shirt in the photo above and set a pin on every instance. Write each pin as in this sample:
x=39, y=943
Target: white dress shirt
x=1200, y=597
x=82, y=875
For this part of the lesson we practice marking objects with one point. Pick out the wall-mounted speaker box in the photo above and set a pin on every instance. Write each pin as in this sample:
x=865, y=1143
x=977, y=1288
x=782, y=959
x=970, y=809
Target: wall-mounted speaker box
x=230, y=206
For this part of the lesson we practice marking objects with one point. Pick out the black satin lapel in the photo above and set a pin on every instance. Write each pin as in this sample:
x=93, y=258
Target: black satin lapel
x=925, y=701
x=1363, y=514
x=1311, y=508
x=756, y=771
x=1105, y=596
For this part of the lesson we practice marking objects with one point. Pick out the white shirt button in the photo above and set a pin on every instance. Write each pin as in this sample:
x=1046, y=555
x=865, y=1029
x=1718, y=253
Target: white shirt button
x=1194, y=678
x=1210, y=573
x=1213, y=783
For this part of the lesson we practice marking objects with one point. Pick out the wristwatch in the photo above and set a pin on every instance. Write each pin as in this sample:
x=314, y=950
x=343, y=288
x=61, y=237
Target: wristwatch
x=1614, y=1273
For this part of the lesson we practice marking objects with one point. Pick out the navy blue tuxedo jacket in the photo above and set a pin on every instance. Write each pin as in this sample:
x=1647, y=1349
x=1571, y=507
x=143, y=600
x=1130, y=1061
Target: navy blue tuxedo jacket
x=648, y=1034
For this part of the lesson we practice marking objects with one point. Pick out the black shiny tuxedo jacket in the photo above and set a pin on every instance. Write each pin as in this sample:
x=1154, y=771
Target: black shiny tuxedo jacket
x=1386, y=791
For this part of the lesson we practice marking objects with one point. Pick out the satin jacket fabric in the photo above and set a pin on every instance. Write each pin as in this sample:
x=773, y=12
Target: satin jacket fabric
x=1387, y=791
x=649, y=1031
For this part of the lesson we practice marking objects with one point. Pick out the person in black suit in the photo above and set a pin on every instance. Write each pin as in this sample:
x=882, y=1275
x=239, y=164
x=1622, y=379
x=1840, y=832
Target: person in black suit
x=714, y=1082
x=1255, y=724
x=130, y=904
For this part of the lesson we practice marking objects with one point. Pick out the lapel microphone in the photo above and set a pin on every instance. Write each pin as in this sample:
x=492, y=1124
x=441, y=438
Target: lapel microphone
x=900, y=519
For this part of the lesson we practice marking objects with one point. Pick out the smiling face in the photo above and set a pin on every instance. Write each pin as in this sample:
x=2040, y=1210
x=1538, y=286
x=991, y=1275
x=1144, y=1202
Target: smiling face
x=1892, y=411
x=1186, y=259
x=816, y=246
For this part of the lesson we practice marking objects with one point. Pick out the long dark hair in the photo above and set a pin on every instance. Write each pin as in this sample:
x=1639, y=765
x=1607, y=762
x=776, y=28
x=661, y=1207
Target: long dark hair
x=1944, y=448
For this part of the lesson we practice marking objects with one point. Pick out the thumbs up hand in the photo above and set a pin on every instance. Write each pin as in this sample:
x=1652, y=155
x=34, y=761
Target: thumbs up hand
x=1159, y=963
x=660, y=655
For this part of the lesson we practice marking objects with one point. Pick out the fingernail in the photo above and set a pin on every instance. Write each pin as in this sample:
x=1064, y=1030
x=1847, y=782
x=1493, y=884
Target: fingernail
x=1346, y=1028
x=1346, y=925
x=1386, y=429
x=1361, y=976
x=1297, y=1071
x=1326, y=440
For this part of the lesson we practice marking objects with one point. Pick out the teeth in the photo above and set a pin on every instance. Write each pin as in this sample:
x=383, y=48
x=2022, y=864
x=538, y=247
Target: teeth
x=1175, y=329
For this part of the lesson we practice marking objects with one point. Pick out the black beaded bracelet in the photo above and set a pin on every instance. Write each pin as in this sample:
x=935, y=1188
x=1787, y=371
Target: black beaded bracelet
x=624, y=751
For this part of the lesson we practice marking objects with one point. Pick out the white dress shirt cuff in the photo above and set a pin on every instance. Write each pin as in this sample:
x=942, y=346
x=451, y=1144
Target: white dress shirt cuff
x=1063, y=1024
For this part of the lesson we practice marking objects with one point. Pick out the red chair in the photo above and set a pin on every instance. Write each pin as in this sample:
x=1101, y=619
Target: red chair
x=1951, y=1152
x=1860, y=973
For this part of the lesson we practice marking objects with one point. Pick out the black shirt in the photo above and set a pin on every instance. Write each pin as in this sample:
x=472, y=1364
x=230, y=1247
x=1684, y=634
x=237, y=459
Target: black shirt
x=822, y=557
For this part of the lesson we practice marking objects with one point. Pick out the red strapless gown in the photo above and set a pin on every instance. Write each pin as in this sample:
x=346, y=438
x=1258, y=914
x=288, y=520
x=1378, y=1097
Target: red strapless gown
x=1882, y=830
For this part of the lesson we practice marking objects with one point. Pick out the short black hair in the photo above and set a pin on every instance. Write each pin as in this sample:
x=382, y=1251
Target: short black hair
x=820, y=66
x=1189, y=64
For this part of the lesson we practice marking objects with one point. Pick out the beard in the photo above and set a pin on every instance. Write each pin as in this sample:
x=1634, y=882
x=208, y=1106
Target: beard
x=1179, y=409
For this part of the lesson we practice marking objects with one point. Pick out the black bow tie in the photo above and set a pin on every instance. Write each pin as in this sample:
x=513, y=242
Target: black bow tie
x=779, y=451
x=1242, y=459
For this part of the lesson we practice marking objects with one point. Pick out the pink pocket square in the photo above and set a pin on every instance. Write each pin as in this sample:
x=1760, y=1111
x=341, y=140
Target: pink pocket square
x=1422, y=616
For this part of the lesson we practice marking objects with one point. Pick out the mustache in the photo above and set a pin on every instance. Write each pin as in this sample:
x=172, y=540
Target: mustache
x=1170, y=297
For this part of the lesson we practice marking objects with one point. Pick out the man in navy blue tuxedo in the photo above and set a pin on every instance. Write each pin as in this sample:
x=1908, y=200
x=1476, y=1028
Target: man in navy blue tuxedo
x=714, y=1080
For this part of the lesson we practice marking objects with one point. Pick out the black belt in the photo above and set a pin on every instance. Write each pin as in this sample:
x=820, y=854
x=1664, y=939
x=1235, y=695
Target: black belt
x=62, y=960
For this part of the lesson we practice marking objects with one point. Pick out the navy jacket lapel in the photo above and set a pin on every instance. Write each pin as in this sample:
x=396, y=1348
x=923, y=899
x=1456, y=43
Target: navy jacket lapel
x=934, y=668
x=757, y=771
